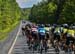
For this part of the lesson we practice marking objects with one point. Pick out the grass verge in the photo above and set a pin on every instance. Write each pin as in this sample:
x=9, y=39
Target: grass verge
x=4, y=33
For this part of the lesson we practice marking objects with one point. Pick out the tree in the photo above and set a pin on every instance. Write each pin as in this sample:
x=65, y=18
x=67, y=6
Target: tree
x=9, y=13
x=60, y=6
x=54, y=11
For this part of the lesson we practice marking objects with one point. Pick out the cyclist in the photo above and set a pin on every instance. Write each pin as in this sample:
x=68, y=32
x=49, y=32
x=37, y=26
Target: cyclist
x=47, y=28
x=28, y=33
x=61, y=29
x=28, y=29
x=53, y=28
x=52, y=33
x=70, y=36
x=34, y=34
x=64, y=33
x=34, y=31
x=41, y=32
x=42, y=35
x=23, y=30
x=57, y=33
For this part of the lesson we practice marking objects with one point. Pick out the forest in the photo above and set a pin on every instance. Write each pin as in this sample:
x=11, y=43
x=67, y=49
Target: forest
x=51, y=11
x=46, y=11
x=10, y=15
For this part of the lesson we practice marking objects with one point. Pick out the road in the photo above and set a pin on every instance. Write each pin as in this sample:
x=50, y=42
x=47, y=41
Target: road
x=20, y=46
x=16, y=44
x=5, y=45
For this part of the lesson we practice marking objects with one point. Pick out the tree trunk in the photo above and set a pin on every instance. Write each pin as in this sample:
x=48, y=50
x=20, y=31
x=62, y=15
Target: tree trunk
x=59, y=9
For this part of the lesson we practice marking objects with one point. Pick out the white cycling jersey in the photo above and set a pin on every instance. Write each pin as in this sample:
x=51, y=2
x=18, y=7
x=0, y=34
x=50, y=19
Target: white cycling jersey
x=34, y=30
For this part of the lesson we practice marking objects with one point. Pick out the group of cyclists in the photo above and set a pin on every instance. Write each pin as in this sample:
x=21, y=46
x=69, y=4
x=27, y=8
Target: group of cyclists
x=43, y=36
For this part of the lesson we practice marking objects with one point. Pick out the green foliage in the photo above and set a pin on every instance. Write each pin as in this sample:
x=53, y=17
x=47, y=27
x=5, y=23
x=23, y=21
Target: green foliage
x=9, y=13
x=69, y=11
x=51, y=11
x=52, y=7
x=25, y=13
x=43, y=13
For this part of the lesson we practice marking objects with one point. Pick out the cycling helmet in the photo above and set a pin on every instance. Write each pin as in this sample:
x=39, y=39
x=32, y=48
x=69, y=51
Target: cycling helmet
x=42, y=25
x=29, y=25
x=55, y=25
x=47, y=25
x=38, y=24
x=65, y=25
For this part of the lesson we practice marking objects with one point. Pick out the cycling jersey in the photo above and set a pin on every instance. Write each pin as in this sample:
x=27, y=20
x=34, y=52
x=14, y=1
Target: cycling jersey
x=41, y=31
x=70, y=33
x=57, y=31
x=50, y=28
x=34, y=29
x=47, y=28
x=64, y=30
x=61, y=29
x=34, y=32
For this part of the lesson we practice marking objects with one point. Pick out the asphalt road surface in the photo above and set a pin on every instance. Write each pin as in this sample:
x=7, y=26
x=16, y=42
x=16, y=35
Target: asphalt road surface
x=21, y=47
x=16, y=44
x=5, y=45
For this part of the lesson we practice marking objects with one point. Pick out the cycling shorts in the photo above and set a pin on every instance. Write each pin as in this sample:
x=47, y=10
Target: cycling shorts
x=41, y=36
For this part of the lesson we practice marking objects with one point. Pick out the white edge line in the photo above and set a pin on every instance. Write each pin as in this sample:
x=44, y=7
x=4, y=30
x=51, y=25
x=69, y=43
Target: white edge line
x=11, y=48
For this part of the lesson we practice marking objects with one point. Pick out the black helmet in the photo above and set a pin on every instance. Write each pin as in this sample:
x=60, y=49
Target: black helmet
x=55, y=25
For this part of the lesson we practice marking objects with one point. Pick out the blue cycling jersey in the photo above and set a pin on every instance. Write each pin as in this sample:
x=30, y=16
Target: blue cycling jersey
x=41, y=30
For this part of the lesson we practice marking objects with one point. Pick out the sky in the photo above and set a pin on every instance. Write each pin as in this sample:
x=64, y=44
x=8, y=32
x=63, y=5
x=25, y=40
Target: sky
x=27, y=3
